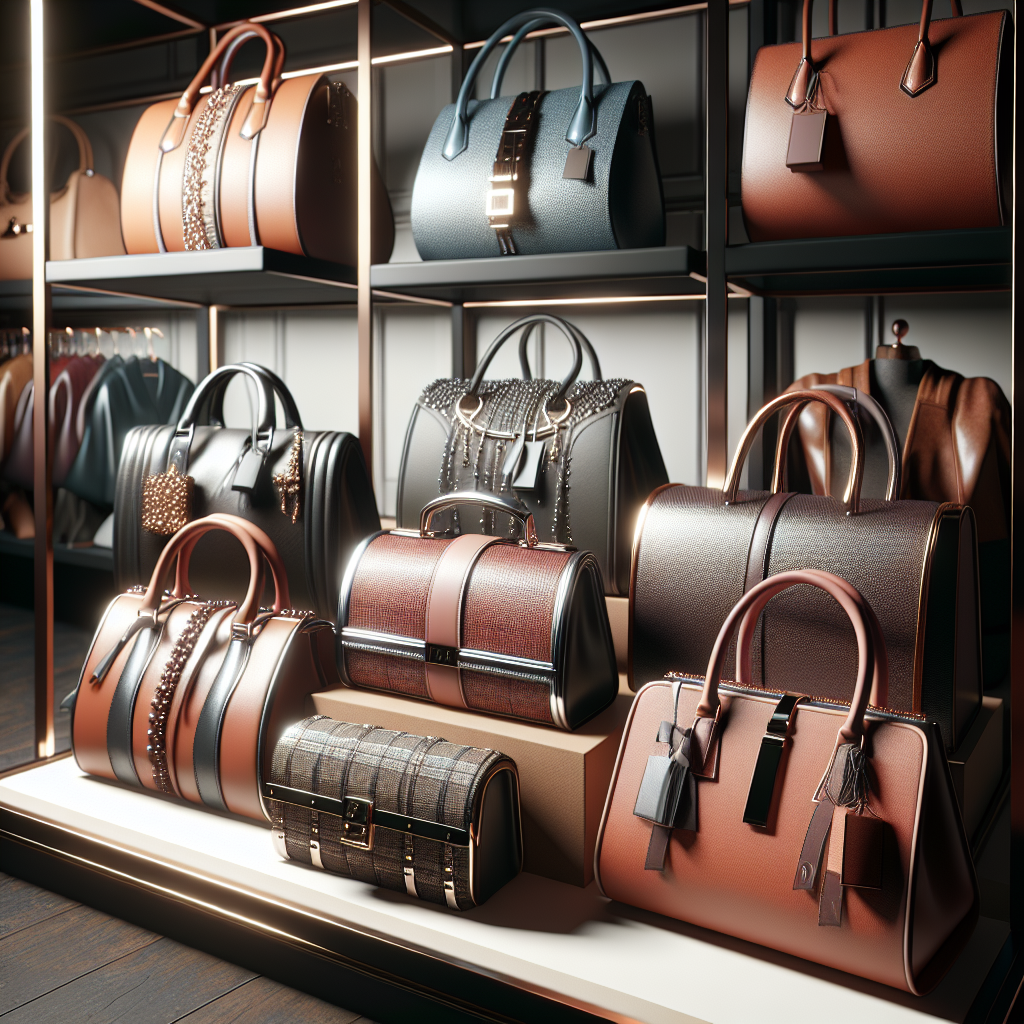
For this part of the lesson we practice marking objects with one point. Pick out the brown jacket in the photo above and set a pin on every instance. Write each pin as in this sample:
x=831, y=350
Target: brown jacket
x=957, y=447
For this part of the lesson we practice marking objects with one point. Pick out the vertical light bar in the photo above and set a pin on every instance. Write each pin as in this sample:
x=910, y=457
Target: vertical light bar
x=364, y=136
x=214, y=338
x=42, y=463
x=716, y=216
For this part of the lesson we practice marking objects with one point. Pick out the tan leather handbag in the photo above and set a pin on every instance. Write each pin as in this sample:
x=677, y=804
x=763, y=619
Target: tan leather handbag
x=698, y=549
x=827, y=831
x=189, y=697
x=897, y=129
x=272, y=164
x=84, y=218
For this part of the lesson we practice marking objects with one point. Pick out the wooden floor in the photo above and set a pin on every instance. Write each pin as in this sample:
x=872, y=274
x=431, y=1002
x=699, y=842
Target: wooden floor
x=63, y=962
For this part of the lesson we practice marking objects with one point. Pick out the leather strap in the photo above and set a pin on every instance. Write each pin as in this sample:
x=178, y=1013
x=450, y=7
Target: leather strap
x=761, y=539
x=122, y=705
x=812, y=852
x=501, y=201
x=444, y=617
x=206, y=745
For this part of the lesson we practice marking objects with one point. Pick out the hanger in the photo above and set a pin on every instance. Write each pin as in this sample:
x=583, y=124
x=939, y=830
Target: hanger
x=897, y=350
x=149, y=332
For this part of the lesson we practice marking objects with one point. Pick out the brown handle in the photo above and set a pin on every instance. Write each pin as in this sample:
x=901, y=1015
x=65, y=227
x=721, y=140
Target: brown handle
x=920, y=71
x=181, y=545
x=256, y=118
x=236, y=44
x=182, y=587
x=872, y=664
x=851, y=498
x=85, y=158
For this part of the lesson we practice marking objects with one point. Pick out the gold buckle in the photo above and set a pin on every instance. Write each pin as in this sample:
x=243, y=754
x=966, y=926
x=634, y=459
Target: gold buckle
x=357, y=822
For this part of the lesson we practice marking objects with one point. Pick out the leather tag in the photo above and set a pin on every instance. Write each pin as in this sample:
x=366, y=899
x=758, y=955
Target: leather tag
x=528, y=472
x=248, y=471
x=660, y=789
x=807, y=141
x=862, y=851
x=578, y=163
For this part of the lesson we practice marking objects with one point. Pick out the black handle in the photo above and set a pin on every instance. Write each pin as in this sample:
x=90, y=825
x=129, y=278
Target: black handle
x=524, y=360
x=211, y=411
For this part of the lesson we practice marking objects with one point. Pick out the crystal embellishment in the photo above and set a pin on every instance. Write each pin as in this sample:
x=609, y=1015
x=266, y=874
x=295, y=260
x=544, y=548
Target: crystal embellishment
x=166, y=502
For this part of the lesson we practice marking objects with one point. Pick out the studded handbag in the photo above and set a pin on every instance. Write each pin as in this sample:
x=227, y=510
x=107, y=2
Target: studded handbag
x=581, y=456
x=417, y=814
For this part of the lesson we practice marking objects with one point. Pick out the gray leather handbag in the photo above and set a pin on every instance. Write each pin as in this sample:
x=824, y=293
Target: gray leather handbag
x=571, y=170
x=581, y=456
x=309, y=491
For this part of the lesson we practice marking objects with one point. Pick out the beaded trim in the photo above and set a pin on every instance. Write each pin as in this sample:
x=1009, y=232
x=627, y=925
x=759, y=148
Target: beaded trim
x=289, y=483
x=171, y=676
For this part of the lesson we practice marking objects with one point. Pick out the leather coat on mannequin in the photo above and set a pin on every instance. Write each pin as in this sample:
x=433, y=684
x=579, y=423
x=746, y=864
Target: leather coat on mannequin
x=955, y=433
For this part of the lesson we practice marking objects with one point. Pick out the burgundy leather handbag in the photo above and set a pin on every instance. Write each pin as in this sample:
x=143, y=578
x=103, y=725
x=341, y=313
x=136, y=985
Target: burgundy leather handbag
x=512, y=628
x=898, y=129
x=189, y=697
x=824, y=830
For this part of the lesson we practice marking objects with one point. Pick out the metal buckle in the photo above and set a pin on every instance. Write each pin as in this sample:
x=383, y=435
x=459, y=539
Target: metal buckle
x=357, y=822
x=501, y=203
x=439, y=654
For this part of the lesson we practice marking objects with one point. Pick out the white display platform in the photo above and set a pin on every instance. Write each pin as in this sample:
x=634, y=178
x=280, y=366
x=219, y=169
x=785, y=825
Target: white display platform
x=566, y=946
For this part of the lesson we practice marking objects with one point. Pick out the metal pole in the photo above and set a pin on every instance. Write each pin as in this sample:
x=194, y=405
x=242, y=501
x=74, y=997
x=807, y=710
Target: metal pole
x=42, y=461
x=716, y=219
x=365, y=170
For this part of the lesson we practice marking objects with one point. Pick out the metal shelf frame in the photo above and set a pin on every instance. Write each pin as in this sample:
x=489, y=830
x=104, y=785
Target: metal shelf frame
x=765, y=271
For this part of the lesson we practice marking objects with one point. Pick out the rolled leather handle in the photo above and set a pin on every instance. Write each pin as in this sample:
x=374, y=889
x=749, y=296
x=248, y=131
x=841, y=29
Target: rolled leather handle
x=256, y=118
x=530, y=26
x=212, y=411
x=224, y=68
x=524, y=359
x=181, y=546
x=857, y=400
x=182, y=587
x=851, y=498
x=583, y=123
x=872, y=685
x=534, y=318
x=200, y=404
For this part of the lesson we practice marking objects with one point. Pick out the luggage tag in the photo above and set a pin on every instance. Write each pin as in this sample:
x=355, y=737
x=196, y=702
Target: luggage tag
x=579, y=162
x=807, y=134
x=529, y=472
x=667, y=778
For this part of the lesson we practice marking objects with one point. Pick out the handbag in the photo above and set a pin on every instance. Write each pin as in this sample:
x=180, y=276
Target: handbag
x=123, y=394
x=581, y=456
x=84, y=217
x=563, y=171
x=308, y=490
x=272, y=164
x=417, y=814
x=725, y=797
x=698, y=549
x=15, y=376
x=897, y=129
x=511, y=628
x=189, y=697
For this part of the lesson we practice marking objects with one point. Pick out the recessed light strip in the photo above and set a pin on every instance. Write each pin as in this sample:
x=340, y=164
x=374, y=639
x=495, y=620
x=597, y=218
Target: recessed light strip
x=597, y=300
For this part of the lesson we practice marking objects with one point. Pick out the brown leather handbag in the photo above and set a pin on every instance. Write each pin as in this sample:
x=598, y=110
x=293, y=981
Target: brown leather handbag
x=898, y=129
x=698, y=549
x=511, y=628
x=823, y=830
x=272, y=164
x=83, y=214
x=189, y=697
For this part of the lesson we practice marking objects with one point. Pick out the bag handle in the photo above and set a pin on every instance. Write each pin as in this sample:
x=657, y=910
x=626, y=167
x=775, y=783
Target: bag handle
x=257, y=116
x=213, y=408
x=85, y=156
x=856, y=400
x=920, y=72
x=224, y=68
x=181, y=546
x=872, y=664
x=525, y=322
x=213, y=386
x=530, y=26
x=494, y=502
x=851, y=497
x=584, y=122
x=524, y=360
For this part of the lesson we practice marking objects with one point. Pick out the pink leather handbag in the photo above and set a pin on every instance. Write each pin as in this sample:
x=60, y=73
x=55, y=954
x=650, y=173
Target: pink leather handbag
x=827, y=831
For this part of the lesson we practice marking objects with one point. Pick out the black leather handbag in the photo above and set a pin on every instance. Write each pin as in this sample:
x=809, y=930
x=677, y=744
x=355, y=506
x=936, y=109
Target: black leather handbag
x=581, y=456
x=564, y=171
x=124, y=394
x=309, y=490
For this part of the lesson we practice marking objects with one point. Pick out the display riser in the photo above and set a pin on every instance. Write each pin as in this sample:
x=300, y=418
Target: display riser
x=538, y=950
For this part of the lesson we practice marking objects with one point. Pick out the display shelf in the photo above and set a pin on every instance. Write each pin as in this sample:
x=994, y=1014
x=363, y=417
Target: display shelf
x=925, y=261
x=538, y=950
x=89, y=558
x=17, y=296
x=665, y=270
x=246, y=276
